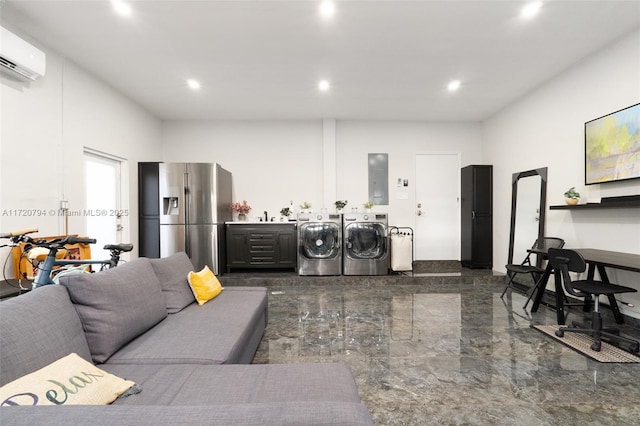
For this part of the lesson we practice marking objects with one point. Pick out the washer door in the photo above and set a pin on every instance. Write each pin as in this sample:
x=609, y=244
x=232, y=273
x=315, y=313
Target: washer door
x=365, y=241
x=320, y=240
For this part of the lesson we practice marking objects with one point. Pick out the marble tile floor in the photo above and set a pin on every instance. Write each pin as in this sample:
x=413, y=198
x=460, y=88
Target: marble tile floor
x=433, y=349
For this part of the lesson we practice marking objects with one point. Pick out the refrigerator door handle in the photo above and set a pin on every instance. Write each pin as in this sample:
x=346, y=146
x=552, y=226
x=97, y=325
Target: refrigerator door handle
x=187, y=195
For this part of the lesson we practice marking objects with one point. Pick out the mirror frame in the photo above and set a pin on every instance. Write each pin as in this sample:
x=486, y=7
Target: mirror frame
x=542, y=172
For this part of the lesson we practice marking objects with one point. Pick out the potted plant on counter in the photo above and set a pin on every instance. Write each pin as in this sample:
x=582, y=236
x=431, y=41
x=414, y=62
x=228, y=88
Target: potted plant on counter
x=571, y=196
x=368, y=206
x=285, y=212
x=241, y=209
x=305, y=207
x=340, y=204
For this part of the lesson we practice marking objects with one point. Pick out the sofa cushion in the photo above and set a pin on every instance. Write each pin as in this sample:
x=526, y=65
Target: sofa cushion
x=117, y=305
x=172, y=273
x=265, y=414
x=204, y=284
x=70, y=380
x=225, y=330
x=36, y=329
x=193, y=385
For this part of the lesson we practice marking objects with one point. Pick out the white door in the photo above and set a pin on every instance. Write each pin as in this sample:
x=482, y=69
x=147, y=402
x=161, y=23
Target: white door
x=437, y=209
x=103, y=214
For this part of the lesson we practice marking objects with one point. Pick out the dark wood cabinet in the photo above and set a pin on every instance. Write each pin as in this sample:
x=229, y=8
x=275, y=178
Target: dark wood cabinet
x=476, y=213
x=286, y=255
x=237, y=253
x=268, y=245
x=148, y=210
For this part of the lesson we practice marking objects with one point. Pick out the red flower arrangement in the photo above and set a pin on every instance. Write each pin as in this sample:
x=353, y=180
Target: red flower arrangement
x=241, y=208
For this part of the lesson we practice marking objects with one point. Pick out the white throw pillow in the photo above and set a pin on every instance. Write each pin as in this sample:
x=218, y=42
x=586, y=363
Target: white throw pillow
x=68, y=381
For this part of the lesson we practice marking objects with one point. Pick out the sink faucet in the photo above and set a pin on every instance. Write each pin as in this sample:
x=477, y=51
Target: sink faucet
x=266, y=216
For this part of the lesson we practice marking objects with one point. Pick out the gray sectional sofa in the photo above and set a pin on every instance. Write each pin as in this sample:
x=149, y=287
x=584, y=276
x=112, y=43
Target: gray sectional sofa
x=140, y=322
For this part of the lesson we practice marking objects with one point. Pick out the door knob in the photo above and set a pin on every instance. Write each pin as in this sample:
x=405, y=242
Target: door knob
x=419, y=205
x=419, y=212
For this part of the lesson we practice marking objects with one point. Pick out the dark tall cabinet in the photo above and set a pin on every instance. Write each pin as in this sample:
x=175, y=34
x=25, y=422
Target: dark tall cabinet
x=148, y=210
x=477, y=216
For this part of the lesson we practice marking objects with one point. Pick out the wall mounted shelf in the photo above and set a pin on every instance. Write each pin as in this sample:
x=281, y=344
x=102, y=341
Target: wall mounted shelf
x=608, y=205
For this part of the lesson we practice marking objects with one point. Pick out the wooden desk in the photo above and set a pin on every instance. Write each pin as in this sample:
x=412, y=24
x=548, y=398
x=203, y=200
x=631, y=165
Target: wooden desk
x=595, y=258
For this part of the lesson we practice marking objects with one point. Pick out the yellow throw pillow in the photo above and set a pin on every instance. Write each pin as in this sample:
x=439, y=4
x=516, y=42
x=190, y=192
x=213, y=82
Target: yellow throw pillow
x=71, y=380
x=204, y=284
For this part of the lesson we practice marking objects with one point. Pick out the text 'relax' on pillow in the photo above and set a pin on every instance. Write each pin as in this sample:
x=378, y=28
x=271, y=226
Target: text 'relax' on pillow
x=70, y=380
x=204, y=284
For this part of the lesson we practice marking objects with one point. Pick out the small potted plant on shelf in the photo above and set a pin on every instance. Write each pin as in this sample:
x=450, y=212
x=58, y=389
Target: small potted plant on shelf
x=340, y=204
x=368, y=206
x=572, y=197
x=305, y=207
x=285, y=212
x=241, y=209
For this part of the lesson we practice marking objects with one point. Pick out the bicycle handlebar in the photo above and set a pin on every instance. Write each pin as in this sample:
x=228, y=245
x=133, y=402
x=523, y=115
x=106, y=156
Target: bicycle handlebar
x=19, y=232
x=58, y=243
x=79, y=240
x=21, y=236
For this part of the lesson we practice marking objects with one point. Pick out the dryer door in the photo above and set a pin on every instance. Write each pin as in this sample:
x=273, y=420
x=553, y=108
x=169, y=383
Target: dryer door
x=365, y=241
x=320, y=240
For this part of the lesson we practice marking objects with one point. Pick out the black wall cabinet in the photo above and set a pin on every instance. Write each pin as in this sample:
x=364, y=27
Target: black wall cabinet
x=477, y=216
x=148, y=210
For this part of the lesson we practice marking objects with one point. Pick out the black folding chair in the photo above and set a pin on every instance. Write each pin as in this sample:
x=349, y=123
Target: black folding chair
x=541, y=246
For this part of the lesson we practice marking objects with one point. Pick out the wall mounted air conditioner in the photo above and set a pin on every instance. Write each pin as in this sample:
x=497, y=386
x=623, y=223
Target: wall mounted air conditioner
x=20, y=57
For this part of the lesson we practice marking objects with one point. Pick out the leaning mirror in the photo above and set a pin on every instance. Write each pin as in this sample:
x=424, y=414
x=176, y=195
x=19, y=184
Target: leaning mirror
x=528, y=205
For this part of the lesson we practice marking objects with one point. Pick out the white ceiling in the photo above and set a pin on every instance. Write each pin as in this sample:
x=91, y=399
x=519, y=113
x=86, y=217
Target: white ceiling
x=386, y=60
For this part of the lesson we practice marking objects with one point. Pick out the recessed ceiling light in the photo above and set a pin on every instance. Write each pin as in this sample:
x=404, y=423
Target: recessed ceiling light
x=193, y=84
x=531, y=9
x=327, y=8
x=121, y=7
x=454, y=85
x=323, y=85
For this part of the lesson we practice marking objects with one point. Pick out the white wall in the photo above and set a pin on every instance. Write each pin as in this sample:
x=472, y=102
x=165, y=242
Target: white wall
x=273, y=163
x=546, y=129
x=276, y=162
x=402, y=140
x=46, y=125
x=31, y=150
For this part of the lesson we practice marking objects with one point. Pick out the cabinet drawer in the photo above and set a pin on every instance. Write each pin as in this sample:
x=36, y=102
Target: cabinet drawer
x=263, y=260
x=262, y=252
x=257, y=248
x=262, y=236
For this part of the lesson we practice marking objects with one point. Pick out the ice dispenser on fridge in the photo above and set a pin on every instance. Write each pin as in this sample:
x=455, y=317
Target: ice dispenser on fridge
x=170, y=206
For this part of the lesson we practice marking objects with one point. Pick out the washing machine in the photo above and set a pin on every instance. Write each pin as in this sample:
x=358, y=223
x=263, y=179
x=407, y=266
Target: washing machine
x=319, y=243
x=366, y=246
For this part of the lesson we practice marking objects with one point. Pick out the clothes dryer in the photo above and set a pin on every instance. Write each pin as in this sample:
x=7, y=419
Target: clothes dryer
x=319, y=243
x=366, y=246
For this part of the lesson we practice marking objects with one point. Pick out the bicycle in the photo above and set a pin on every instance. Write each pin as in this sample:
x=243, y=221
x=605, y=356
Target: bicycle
x=47, y=274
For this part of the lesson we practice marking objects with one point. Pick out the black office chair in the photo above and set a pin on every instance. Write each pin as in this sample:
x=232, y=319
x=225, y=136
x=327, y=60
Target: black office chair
x=542, y=244
x=565, y=261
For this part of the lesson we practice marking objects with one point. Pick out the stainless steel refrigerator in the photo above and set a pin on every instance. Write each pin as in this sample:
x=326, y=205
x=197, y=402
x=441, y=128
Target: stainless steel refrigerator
x=194, y=205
